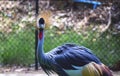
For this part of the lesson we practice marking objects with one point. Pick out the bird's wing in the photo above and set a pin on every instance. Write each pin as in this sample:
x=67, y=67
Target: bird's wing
x=70, y=55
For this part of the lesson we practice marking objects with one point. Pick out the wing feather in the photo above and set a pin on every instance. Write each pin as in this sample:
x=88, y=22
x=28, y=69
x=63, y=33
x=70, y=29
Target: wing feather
x=71, y=54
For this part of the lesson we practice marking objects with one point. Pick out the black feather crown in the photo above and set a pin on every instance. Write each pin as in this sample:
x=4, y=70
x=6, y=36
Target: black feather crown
x=41, y=21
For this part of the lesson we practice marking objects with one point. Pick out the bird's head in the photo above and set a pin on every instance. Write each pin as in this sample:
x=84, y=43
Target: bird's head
x=41, y=24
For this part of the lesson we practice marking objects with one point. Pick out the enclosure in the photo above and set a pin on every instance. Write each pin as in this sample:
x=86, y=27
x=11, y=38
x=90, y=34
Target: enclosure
x=66, y=22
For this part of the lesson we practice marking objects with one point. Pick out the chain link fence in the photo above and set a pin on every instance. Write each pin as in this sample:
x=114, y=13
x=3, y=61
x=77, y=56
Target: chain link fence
x=17, y=37
x=19, y=48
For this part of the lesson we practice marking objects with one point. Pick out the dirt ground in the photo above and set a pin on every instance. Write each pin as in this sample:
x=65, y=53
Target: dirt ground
x=18, y=71
x=116, y=73
x=37, y=73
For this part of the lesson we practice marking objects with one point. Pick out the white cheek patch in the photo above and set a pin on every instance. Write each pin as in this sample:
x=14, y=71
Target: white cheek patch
x=42, y=26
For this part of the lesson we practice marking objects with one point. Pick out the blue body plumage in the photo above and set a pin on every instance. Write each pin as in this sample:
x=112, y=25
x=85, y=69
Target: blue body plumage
x=65, y=60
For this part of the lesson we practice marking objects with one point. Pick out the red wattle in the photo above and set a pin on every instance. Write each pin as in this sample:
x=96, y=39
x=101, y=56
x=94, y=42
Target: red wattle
x=40, y=35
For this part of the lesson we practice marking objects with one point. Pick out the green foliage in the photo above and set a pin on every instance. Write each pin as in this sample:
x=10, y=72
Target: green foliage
x=108, y=49
x=18, y=48
x=17, y=43
x=106, y=46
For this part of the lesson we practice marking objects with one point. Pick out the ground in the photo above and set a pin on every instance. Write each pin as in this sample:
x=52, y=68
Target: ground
x=116, y=73
x=18, y=71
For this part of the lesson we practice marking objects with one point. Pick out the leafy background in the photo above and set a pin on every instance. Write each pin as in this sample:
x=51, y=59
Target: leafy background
x=63, y=25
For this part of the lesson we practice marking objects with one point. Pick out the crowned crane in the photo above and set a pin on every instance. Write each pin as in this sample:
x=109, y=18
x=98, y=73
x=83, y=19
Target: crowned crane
x=68, y=59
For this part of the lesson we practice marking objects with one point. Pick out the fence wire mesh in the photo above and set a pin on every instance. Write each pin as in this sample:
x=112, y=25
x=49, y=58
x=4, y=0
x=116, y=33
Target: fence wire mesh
x=19, y=48
x=17, y=36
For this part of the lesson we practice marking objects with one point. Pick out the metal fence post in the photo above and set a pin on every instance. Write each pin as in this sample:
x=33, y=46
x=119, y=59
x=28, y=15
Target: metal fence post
x=36, y=33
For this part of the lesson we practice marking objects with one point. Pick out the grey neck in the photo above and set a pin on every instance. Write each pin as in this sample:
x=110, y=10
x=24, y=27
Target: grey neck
x=40, y=47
